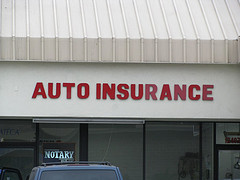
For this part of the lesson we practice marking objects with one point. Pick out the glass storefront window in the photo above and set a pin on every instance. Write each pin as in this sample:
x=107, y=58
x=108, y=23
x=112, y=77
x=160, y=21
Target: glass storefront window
x=172, y=151
x=229, y=164
x=17, y=131
x=122, y=145
x=207, y=151
x=58, y=142
x=228, y=133
x=19, y=158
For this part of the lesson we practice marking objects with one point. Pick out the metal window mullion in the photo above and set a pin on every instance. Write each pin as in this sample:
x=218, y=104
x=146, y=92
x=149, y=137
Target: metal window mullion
x=83, y=142
x=37, y=145
x=215, y=151
x=200, y=150
x=144, y=151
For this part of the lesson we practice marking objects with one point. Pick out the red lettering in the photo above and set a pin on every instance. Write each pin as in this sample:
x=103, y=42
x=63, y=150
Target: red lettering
x=122, y=89
x=110, y=91
x=206, y=92
x=190, y=92
x=98, y=91
x=39, y=90
x=166, y=93
x=133, y=91
x=181, y=92
x=149, y=93
x=69, y=89
x=80, y=88
x=50, y=90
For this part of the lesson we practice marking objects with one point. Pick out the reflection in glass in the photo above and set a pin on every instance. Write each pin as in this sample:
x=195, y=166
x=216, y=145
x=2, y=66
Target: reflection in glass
x=207, y=151
x=19, y=158
x=17, y=131
x=119, y=144
x=172, y=151
x=58, y=137
x=227, y=133
x=229, y=165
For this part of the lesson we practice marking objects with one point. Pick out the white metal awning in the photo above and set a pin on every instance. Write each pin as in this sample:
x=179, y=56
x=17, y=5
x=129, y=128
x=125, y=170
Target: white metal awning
x=170, y=31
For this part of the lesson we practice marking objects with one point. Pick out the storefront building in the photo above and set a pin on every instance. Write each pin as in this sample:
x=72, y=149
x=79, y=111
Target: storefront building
x=152, y=86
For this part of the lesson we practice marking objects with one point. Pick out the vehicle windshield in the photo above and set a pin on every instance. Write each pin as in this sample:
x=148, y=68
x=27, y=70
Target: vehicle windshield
x=79, y=175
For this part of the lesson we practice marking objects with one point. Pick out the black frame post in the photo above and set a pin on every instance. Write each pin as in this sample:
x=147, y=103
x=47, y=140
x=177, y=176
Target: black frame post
x=83, y=142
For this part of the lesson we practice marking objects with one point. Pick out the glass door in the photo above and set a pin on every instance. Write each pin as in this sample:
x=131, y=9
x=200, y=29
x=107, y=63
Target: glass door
x=228, y=164
x=18, y=158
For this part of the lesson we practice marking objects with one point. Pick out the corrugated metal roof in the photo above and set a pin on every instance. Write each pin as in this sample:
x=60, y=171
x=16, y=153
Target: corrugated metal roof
x=171, y=31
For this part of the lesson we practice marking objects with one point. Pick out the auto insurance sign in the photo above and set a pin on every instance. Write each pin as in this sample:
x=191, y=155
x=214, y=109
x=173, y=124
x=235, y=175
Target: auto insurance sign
x=107, y=90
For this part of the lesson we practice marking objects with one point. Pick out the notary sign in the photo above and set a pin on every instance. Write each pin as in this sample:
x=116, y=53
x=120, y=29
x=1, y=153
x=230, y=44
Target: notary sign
x=58, y=152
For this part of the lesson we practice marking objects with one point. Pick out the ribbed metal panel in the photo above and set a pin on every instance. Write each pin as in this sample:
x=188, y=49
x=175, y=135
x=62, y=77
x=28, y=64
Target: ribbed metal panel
x=158, y=31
